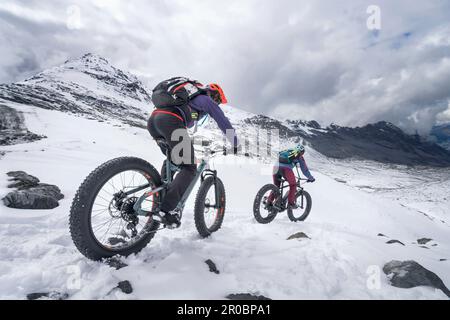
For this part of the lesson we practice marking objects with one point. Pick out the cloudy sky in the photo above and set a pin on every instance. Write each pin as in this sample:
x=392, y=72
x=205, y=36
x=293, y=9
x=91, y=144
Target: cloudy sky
x=286, y=58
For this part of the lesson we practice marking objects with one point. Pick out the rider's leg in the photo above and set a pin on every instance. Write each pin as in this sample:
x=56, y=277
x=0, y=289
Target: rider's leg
x=184, y=178
x=182, y=154
x=289, y=175
x=276, y=181
x=178, y=186
x=164, y=126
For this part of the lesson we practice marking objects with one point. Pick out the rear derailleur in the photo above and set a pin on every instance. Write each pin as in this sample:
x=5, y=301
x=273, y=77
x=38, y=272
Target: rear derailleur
x=125, y=206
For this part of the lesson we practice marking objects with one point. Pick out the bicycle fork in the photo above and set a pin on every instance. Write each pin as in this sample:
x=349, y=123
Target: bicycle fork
x=213, y=173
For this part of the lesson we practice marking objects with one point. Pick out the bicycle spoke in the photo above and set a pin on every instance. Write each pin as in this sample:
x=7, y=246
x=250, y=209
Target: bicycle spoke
x=109, y=227
x=122, y=181
x=109, y=194
x=132, y=179
x=103, y=199
x=111, y=182
x=98, y=227
x=115, y=224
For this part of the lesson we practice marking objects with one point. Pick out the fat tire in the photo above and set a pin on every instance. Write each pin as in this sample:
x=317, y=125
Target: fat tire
x=80, y=212
x=199, y=209
x=307, y=210
x=257, y=204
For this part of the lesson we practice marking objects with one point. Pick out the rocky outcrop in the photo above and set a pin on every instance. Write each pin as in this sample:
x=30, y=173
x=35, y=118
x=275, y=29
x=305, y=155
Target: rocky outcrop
x=13, y=129
x=30, y=193
x=410, y=274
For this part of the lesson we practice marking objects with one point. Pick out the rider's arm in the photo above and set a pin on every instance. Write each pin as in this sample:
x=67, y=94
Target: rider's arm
x=302, y=163
x=206, y=104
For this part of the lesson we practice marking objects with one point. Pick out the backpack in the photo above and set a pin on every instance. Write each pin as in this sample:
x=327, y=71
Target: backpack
x=287, y=156
x=176, y=92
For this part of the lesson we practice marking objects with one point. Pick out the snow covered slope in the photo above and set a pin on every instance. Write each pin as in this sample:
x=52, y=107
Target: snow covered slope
x=342, y=256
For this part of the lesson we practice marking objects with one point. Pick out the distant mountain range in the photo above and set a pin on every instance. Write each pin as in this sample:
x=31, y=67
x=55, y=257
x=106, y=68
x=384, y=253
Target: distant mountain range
x=91, y=87
x=441, y=134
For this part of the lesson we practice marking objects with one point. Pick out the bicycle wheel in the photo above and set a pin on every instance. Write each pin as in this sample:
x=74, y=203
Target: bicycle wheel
x=102, y=221
x=304, y=202
x=263, y=211
x=208, y=214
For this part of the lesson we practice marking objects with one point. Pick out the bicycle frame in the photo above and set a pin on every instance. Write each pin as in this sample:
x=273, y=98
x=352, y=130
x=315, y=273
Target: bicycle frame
x=202, y=172
x=285, y=185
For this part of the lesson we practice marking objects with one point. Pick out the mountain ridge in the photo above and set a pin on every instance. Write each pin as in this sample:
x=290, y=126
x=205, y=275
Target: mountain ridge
x=91, y=87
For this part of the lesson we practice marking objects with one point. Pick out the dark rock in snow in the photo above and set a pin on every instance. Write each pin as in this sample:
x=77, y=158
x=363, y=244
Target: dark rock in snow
x=442, y=260
x=125, y=287
x=47, y=190
x=395, y=241
x=13, y=129
x=116, y=263
x=21, y=180
x=410, y=274
x=424, y=241
x=246, y=296
x=48, y=295
x=31, y=194
x=381, y=235
x=299, y=235
x=43, y=196
x=212, y=266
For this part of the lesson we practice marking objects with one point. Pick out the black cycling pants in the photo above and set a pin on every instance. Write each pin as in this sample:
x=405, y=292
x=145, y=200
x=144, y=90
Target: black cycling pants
x=173, y=131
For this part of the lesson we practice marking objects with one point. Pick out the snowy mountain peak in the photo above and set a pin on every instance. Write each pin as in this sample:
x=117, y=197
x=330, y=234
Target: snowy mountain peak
x=94, y=66
x=93, y=58
x=88, y=86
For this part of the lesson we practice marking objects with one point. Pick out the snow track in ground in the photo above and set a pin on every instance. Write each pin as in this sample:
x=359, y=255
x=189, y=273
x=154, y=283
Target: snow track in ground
x=37, y=254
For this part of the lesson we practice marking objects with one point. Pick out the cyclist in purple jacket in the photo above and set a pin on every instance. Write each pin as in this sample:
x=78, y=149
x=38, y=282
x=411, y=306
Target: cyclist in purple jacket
x=163, y=123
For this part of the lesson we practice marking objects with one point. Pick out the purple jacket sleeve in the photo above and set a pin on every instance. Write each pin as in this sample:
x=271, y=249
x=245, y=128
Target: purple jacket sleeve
x=205, y=104
x=301, y=161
